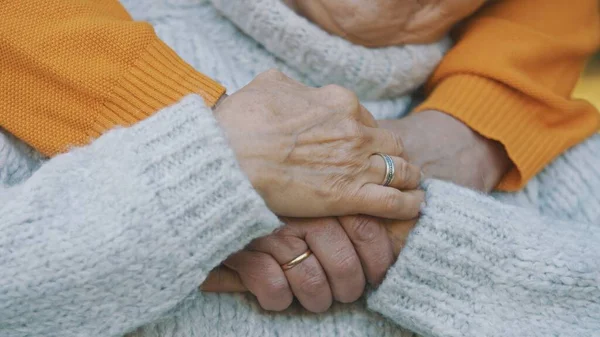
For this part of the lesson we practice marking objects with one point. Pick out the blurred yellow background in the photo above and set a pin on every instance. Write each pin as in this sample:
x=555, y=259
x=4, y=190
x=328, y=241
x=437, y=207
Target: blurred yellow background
x=589, y=84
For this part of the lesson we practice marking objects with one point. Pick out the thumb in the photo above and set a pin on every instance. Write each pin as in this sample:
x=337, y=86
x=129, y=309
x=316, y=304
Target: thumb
x=223, y=280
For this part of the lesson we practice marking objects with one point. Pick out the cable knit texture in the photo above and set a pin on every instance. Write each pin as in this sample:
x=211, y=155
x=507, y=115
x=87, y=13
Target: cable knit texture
x=325, y=59
x=119, y=234
x=87, y=252
x=215, y=46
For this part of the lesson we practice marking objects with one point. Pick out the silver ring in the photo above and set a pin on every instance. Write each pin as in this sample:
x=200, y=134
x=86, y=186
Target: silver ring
x=390, y=169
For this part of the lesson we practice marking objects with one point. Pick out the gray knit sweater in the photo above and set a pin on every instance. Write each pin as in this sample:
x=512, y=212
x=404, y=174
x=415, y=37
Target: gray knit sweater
x=117, y=236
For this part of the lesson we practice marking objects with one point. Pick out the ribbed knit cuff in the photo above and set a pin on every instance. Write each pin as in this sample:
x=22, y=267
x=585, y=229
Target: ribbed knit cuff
x=158, y=79
x=511, y=117
x=185, y=157
x=474, y=266
x=189, y=207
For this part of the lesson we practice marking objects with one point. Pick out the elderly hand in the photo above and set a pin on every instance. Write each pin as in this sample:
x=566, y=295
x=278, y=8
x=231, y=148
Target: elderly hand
x=310, y=152
x=380, y=23
x=447, y=149
x=346, y=253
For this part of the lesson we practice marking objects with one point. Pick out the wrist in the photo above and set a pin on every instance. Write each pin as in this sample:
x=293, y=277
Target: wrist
x=245, y=153
x=494, y=160
x=447, y=149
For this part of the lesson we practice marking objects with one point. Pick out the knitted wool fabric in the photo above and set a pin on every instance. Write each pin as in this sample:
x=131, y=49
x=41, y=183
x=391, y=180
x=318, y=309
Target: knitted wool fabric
x=215, y=46
x=118, y=235
x=106, y=238
x=372, y=73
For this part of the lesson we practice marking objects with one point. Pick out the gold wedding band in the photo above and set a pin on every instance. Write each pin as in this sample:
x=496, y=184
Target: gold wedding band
x=296, y=261
x=390, y=169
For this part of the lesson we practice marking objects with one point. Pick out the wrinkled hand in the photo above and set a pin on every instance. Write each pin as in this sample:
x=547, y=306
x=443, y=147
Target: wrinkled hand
x=309, y=152
x=447, y=149
x=380, y=23
x=347, y=253
x=444, y=146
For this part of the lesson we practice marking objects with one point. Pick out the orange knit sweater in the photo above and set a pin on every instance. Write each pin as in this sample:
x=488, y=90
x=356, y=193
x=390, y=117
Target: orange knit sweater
x=511, y=75
x=74, y=68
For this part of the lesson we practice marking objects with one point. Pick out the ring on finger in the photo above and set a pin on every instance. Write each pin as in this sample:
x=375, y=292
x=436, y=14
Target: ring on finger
x=296, y=261
x=390, y=169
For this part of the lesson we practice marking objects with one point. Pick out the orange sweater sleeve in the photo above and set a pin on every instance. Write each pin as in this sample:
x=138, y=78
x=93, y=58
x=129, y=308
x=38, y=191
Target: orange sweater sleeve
x=72, y=69
x=510, y=78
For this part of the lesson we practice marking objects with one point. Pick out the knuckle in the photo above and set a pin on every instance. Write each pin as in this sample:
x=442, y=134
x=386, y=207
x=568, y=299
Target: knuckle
x=272, y=74
x=347, y=264
x=337, y=90
x=402, y=171
x=341, y=95
x=351, y=295
x=354, y=131
x=391, y=201
x=396, y=141
x=313, y=283
x=275, y=291
x=363, y=229
x=278, y=298
x=313, y=286
x=276, y=287
x=268, y=283
x=263, y=266
x=334, y=185
x=291, y=244
x=287, y=229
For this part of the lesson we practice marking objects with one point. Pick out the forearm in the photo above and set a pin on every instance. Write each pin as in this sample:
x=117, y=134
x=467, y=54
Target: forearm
x=474, y=267
x=111, y=236
x=75, y=69
x=510, y=78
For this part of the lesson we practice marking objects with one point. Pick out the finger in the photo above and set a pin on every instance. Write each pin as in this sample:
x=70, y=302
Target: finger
x=223, y=280
x=283, y=245
x=334, y=250
x=307, y=279
x=406, y=176
x=387, y=202
x=385, y=141
x=309, y=283
x=263, y=277
x=371, y=242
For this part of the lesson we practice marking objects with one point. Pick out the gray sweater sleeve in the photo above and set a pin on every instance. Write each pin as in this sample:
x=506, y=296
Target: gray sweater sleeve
x=113, y=235
x=476, y=267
